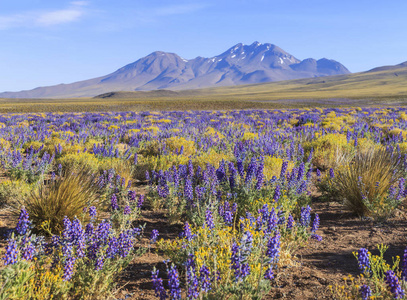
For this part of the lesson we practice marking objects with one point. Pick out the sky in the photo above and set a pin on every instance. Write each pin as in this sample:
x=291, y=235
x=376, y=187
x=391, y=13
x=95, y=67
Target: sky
x=48, y=42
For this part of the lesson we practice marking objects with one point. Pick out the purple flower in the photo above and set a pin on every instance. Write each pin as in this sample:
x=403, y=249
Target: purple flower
x=173, y=283
x=140, y=201
x=305, y=219
x=204, y=278
x=273, y=248
x=11, y=255
x=269, y=274
x=277, y=193
x=113, y=202
x=260, y=175
x=284, y=167
x=331, y=173
x=125, y=244
x=209, y=219
x=363, y=260
x=318, y=175
x=315, y=224
x=158, y=285
x=404, y=266
x=127, y=210
x=131, y=195
x=290, y=222
x=99, y=263
x=24, y=223
x=27, y=252
x=316, y=237
x=68, y=268
x=394, y=284
x=92, y=212
x=365, y=292
x=188, y=191
x=187, y=232
x=235, y=260
x=154, y=236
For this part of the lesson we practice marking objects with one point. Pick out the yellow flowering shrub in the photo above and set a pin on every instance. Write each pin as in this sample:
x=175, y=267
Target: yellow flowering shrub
x=175, y=143
x=272, y=166
x=250, y=136
x=327, y=149
x=210, y=131
x=212, y=157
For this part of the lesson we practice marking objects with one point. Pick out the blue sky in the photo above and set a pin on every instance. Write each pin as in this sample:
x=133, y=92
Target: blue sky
x=46, y=42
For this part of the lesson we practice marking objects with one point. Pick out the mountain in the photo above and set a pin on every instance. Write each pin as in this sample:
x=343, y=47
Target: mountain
x=241, y=64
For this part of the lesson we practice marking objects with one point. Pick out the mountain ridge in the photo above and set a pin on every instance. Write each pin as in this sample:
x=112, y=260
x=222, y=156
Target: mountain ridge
x=240, y=64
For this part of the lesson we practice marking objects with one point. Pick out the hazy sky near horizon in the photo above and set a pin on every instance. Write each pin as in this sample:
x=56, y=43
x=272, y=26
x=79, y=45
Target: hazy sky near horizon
x=46, y=42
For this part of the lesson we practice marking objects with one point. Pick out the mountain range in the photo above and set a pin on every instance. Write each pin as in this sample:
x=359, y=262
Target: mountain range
x=240, y=64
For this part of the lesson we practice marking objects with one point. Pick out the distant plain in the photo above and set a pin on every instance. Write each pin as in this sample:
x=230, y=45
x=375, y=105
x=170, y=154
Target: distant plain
x=385, y=86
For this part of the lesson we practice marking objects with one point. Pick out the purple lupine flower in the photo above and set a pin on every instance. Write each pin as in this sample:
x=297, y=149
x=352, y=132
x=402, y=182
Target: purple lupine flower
x=318, y=175
x=188, y=191
x=272, y=221
x=284, y=167
x=99, y=263
x=220, y=172
x=269, y=274
x=260, y=175
x=209, y=219
x=316, y=237
x=305, y=216
x=125, y=244
x=68, y=268
x=204, y=278
x=112, y=247
x=173, y=283
x=154, y=236
x=290, y=222
x=24, y=223
x=365, y=292
x=158, y=285
x=140, y=201
x=394, y=284
x=27, y=252
x=245, y=270
x=315, y=224
x=363, y=260
x=235, y=260
x=113, y=202
x=273, y=248
x=277, y=193
x=301, y=171
x=404, y=266
x=127, y=210
x=187, y=232
x=92, y=212
x=240, y=168
x=131, y=195
x=331, y=173
x=66, y=232
x=302, y=188
x=11, y=255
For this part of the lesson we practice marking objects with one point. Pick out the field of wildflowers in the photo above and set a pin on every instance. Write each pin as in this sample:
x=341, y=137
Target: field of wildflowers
x=240, y=184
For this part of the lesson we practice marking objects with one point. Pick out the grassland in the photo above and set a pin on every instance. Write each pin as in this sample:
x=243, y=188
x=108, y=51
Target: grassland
x=379, y=87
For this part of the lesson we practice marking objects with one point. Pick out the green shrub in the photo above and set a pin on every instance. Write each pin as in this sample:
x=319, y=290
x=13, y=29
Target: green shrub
x=13, y=191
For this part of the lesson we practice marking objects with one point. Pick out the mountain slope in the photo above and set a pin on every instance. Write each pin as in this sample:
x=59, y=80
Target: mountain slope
x=241, y=64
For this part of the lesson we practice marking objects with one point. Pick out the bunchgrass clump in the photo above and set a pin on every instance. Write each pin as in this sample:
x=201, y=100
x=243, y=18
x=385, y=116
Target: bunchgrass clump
x=371, y=185
x=65, y=196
